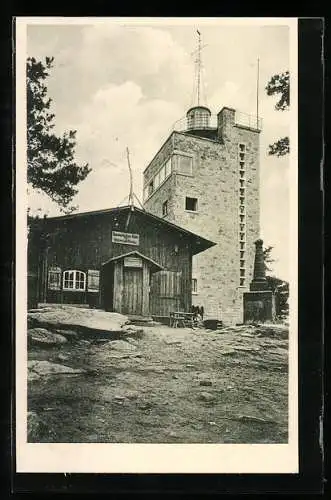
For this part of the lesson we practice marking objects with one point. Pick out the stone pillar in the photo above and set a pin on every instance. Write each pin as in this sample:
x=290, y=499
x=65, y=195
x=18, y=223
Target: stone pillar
x=259, y=281
x=259, y=302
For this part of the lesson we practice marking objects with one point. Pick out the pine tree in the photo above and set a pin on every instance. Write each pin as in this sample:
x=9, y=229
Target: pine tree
x=278, y=286
x=51, y=159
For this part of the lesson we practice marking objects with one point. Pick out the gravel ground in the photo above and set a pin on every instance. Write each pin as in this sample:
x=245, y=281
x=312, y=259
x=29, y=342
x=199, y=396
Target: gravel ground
x=162, y=385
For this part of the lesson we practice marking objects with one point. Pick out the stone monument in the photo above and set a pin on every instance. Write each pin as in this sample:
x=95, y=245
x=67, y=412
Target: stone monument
x=259, y=302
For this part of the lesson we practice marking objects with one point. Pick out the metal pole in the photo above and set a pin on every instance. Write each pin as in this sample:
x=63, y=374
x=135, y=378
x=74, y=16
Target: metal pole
x=199, y=65
x=131, y=181
x=257, y=93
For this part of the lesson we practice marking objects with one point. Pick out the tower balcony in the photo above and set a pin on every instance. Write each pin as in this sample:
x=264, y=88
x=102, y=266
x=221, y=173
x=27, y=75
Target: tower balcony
x=200, y=123
x=184, y=124
x=252, y=122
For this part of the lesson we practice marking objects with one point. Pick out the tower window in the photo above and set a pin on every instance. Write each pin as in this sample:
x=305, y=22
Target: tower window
x=242, y=147
x=165, y=208
x=157, y=181
x=162, y=174
x=184, y=164
x=150, y=188
x=242, y=281
x=168, y=168
x=194, y=285
x=191, y=204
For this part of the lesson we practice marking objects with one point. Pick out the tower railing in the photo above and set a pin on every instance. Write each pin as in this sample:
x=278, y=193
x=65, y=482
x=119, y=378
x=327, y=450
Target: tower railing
x=250, y=121
x=242, y=119
x=183, y=125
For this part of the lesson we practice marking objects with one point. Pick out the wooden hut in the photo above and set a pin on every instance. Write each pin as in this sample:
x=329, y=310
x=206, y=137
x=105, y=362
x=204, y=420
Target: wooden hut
x=122, y=259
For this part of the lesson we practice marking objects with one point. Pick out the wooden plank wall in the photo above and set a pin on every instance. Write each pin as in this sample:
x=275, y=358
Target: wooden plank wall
x=118, y=286
x=146, y=282
x=86, y=243
x=166, y=293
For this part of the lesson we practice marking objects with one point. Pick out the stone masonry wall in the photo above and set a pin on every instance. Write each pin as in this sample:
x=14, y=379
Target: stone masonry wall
x=215, y=183
x=163, y=193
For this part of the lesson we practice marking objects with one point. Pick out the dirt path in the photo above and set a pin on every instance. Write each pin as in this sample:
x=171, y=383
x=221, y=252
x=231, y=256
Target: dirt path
x=167, y=386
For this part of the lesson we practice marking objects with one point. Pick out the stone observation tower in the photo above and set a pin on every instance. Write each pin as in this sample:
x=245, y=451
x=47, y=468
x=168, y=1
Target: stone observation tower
x=205, y=178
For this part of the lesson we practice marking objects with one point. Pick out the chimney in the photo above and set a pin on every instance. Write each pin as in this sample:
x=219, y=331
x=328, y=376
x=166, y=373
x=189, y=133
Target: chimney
x=225, y=122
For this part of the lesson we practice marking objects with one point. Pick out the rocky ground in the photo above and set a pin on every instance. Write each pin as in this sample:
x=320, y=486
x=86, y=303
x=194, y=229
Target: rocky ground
x=103, y=380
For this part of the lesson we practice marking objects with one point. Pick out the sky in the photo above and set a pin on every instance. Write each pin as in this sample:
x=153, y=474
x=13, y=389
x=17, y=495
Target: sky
x=124, y=84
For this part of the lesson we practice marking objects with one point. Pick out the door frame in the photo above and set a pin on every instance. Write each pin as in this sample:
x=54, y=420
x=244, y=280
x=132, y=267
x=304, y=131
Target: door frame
x=133, y=291
x=148, y=266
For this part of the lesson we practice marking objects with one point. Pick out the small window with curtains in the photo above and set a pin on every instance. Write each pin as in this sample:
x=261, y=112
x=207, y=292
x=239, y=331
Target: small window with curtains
x=74, y=280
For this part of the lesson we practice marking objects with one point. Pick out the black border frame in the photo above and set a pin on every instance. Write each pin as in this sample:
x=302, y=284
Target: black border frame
x=311, y=135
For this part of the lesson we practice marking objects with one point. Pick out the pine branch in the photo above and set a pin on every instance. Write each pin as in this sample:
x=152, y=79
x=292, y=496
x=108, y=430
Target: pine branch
x=51, y=159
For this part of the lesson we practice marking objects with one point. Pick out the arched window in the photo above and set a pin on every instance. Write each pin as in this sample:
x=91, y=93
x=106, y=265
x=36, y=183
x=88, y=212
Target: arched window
x=74, y=280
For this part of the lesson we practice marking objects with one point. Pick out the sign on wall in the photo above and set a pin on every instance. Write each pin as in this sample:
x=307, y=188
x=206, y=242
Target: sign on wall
x=133, y=262
x=125, y=238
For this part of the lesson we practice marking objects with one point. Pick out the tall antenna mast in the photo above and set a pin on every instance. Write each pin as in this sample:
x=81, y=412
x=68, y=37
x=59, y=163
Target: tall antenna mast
x=197, y=82
x=199, y=65
x=257, y=92
x=130, y=199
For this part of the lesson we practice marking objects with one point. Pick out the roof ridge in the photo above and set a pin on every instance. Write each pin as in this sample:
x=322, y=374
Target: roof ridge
x=137, y=209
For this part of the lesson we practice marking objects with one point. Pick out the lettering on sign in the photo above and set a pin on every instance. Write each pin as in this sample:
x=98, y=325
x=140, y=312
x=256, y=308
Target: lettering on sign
x=133, y=262
x=125, y=238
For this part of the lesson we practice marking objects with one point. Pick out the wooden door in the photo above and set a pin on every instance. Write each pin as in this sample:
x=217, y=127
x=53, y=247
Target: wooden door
x=132, y=291
x=165, y=293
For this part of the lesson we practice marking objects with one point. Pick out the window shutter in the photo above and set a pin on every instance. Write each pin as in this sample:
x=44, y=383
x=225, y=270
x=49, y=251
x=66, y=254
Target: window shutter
x=54, y=278
x=93, y=280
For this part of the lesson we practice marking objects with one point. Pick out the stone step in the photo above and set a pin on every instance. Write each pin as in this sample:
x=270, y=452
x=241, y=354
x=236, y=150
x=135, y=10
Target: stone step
x=141, y=320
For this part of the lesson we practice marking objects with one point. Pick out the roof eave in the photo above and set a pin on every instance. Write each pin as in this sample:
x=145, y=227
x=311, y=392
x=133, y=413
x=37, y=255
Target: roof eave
x=205, y=245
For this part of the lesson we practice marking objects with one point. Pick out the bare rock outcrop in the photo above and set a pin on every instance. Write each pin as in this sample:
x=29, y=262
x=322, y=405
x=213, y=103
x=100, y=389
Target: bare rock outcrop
x=42, y=336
